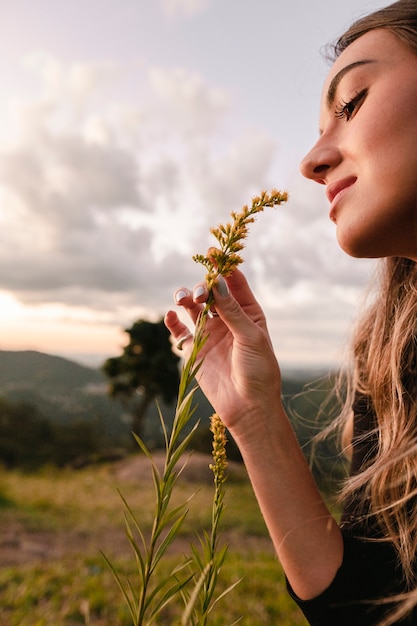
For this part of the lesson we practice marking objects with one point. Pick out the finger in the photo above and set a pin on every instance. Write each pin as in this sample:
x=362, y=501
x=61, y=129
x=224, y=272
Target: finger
x=179, y=331
x=200, y=293
x=184, y=298
x=244, y=318
x=237, y=286
x=240, y=289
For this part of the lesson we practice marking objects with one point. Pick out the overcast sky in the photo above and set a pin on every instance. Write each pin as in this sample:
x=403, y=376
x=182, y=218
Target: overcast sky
x=127, y=129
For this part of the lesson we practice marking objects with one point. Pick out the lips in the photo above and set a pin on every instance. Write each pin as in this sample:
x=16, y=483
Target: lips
x=334, y=189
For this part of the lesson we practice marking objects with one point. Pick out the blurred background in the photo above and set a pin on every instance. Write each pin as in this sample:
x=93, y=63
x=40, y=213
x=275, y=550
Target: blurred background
x=127, y=129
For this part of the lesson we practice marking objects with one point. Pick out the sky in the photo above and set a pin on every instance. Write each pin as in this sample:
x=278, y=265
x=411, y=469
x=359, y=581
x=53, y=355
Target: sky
x=127, y=129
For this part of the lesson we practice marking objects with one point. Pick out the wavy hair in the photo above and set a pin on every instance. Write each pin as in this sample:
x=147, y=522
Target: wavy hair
x=385, y=365
x=385, y=359
x=399, y=17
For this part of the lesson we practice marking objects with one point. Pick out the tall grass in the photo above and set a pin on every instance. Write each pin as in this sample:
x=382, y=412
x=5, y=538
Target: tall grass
x=195, y=580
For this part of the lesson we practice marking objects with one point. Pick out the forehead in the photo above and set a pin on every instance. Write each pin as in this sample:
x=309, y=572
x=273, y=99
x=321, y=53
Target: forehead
x=380, y=46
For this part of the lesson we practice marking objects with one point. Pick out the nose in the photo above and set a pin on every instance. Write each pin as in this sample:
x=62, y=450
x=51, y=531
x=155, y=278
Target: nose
x=322, y=158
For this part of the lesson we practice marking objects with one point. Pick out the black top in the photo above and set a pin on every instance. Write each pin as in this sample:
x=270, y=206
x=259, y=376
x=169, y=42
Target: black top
x=369, y=571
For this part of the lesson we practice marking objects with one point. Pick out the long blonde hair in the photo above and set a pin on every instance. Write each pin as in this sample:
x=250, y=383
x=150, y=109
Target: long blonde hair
x=385, y=360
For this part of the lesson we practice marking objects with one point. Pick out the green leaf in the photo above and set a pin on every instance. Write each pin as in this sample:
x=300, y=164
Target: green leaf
x=129, y=600
x=168, y=596
x=129, y=515
x=179, y=451
x=225, y=593
x=169, y=538
x=186, y=616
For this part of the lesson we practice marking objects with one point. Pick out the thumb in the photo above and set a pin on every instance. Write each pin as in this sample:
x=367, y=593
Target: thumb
x=237, y=307
x=229, y=309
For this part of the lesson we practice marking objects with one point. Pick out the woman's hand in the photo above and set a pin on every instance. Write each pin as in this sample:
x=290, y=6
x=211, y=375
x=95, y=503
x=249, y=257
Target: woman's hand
x=241, y=378
x=240, y=374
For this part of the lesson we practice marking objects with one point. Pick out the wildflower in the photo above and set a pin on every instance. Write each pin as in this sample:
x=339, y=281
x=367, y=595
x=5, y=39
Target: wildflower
x=225, y=259
x=219, y=449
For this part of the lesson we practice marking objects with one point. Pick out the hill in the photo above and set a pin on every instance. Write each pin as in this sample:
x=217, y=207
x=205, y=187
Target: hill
x=62, y=391
x=67, y=393
x=30, y=368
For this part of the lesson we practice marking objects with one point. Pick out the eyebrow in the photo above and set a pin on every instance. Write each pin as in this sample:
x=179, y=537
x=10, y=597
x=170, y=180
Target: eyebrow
x=331, y=92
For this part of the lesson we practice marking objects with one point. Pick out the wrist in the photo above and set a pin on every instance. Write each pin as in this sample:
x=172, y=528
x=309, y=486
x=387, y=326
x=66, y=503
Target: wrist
x=260, y=426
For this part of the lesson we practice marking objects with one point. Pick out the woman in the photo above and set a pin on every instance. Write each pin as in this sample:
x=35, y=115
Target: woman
x=353, y=573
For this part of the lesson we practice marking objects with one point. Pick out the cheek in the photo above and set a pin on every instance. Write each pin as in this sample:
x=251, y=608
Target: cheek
x=387, y=134
x=388, y=161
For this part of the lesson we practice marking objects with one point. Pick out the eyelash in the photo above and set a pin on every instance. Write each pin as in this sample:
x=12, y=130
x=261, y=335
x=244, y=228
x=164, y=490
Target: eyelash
x=346, y=109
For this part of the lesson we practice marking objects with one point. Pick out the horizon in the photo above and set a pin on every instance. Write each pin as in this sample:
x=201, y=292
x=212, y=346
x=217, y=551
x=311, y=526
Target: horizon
x=95, y=361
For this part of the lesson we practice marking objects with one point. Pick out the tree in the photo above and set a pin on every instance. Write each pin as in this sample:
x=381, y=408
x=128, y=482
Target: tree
x=147, y=365
x=26, y=437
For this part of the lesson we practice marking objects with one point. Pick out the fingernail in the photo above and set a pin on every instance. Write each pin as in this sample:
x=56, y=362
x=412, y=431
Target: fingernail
x=199, y=291
x=180, y=295
x=221, y=287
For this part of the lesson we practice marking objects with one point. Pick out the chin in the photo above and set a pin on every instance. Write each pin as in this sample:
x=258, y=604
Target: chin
x=359, y=247
x=351, y=246
x=364, y=249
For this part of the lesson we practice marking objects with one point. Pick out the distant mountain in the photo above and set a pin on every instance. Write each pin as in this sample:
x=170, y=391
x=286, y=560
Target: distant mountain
x=31, y=368
x=61, y=390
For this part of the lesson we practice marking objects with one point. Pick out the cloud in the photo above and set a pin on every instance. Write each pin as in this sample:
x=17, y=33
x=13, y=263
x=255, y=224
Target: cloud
x=187, y=101
x=109, y=204
x=77, y=82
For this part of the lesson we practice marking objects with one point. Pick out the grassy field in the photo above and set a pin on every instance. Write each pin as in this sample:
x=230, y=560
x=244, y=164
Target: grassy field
x=54, y=525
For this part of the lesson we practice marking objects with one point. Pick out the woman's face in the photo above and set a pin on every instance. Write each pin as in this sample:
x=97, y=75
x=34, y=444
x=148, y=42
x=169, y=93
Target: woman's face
x=367, y=151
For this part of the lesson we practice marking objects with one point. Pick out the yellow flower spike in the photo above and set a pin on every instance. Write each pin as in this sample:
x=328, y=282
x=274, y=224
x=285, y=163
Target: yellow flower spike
x=224, y=260
x=219, y=261
x=219, y=449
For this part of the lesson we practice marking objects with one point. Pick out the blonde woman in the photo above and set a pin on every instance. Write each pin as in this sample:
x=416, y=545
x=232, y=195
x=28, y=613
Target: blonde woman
x=353, y=573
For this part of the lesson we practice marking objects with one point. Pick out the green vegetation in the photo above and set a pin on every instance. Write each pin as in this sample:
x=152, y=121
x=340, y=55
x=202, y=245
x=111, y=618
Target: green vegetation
x=54, y=523
x=28, y=440
x=146, y=363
